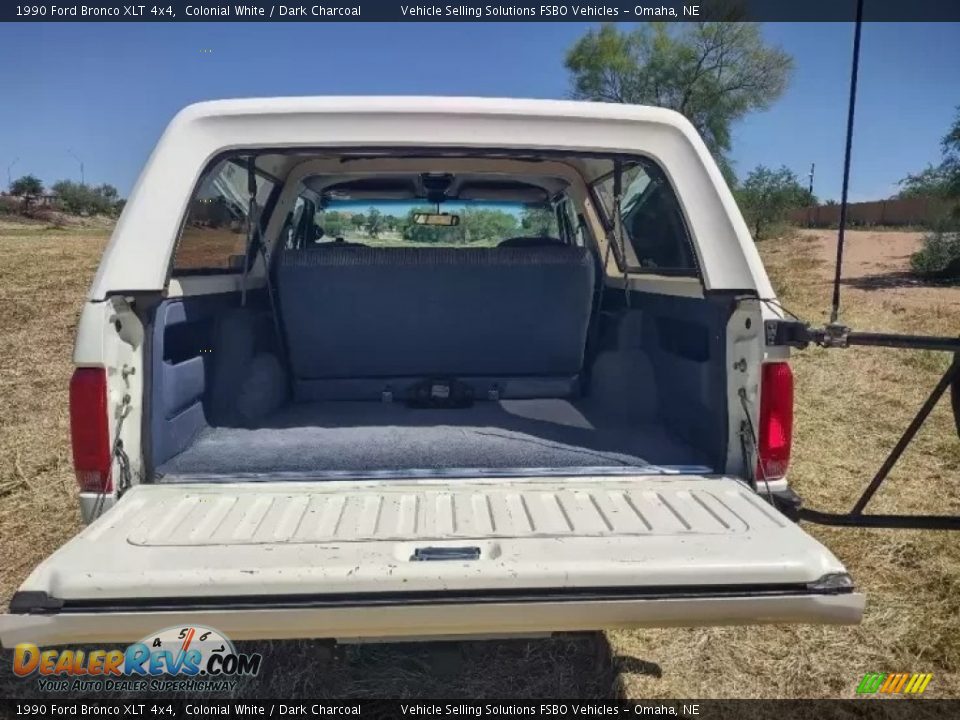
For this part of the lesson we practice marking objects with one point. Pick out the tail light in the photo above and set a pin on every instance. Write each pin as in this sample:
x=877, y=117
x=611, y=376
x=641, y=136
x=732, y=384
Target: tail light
x=776, y=421
x=89, y=431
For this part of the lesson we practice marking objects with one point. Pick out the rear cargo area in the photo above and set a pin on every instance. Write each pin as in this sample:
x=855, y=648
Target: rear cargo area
x=419, y=361
x=345, y=436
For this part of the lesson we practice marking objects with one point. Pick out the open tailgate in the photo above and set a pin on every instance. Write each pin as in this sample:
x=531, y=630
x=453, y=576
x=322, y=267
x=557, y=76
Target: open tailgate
x=390, y=559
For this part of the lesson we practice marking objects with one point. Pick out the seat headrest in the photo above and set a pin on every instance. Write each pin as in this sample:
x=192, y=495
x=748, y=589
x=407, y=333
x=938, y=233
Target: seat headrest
x=338, y=243
x=524, y=242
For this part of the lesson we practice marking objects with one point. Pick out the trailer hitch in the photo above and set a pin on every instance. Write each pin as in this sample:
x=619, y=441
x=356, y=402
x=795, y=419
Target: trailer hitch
x=798, y=334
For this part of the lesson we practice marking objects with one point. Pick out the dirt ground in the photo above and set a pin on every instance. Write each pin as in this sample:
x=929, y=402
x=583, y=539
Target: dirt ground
x=878, y=260
x=851, y=407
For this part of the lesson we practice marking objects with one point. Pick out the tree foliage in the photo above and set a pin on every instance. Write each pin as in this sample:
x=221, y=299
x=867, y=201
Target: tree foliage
x=335, y=224
x=932, y=182
x=80, y=199
x=374, y=222
x=942, y=180
x=767, y=196
x=485, y=225
x=940, y=254
x=539, y=222
x=714, y=73
x=27, y=186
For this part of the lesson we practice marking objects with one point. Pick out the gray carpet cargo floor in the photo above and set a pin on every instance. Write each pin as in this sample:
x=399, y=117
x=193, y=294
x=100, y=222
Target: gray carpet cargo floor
x=345, y=436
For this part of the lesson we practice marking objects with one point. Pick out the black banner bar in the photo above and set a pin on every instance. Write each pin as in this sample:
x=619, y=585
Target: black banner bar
x=148, y=709
x=482, y=11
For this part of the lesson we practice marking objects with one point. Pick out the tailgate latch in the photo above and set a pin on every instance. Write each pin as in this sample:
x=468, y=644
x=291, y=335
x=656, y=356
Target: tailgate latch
x=424, y=554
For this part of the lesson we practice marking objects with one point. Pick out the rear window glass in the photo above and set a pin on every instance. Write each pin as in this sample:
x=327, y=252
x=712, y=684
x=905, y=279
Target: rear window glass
x=653, y=223
x=214, y=235
x=392, y=223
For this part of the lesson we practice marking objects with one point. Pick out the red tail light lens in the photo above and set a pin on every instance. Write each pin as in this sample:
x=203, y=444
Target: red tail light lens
x=89, y=431
x=776, y=421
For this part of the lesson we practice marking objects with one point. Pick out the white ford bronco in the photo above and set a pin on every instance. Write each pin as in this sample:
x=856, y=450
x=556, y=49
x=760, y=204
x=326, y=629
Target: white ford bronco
x=382, y=368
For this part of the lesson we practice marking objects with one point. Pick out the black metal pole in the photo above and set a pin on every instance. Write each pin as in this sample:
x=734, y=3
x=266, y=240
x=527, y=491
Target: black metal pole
x=835, y=311
x=955, y=396
x=908, y=342
x=902, y=522
x=948, y=377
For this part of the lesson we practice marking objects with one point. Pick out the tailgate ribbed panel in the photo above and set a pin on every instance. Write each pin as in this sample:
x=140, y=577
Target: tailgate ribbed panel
x=518, y=510
x=340, y=539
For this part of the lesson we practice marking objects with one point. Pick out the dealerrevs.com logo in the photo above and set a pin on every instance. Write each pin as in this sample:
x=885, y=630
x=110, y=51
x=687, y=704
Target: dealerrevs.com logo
x=894, y=683
x=195, y=658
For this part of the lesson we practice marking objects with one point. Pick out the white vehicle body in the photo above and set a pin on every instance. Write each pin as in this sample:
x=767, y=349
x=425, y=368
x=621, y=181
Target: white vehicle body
x=284, y=557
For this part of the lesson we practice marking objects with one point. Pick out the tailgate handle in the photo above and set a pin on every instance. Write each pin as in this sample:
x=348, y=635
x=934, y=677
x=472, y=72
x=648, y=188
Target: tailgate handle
x=446, y=553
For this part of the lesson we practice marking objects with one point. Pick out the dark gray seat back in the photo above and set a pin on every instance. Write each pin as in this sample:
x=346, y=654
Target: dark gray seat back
x=358, y=313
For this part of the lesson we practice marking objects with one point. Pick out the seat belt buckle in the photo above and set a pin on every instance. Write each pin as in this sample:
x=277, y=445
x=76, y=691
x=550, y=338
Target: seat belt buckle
x=440, y=391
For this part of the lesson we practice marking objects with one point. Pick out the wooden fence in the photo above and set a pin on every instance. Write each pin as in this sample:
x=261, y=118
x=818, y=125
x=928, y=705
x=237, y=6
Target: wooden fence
x=908, y=211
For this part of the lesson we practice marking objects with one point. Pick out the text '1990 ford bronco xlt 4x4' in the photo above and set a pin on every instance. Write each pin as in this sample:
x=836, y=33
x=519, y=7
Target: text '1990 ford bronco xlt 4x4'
x=374, y=368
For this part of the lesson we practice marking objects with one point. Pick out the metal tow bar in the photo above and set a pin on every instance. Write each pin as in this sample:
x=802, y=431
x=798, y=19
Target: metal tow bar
x=799, y=335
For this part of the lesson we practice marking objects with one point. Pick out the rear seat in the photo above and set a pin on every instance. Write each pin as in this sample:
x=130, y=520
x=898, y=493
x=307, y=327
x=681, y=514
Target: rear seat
x=363, y=321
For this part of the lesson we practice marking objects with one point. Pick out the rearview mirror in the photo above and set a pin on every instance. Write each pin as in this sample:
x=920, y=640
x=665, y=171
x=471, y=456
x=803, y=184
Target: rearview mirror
x=441, y=219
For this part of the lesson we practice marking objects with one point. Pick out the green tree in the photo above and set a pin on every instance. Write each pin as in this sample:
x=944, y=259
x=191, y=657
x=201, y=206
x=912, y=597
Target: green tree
x=714, y=73
x=767, y=196
x=334, y=224
x=28, y=188
x=942, y=180
x=932, y=181
x=358, y=221
x=486, y=225
x=391, y=223
x=112, y=201
x=374, y=222
x=80, y=199
x=107, y=192
x=538, y=222
x=27, y=185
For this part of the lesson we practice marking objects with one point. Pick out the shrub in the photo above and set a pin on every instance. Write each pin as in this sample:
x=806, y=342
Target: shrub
x=939, y=256
x=9, y=205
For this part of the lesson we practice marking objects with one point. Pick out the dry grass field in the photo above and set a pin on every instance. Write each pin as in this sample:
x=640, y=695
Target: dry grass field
x=851, y=407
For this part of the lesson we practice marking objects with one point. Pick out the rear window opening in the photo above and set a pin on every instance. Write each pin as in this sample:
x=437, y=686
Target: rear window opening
x=434, y=317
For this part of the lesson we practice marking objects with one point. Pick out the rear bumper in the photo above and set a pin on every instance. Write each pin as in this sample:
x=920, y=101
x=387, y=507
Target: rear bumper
x=406, y=621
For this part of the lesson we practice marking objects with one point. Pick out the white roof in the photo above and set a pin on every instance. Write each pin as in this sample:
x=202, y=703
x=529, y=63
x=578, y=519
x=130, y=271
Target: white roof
x=406, y=104
x=138, y=255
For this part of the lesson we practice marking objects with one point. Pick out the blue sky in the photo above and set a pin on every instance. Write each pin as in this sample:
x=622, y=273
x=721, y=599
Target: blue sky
x=105, y=92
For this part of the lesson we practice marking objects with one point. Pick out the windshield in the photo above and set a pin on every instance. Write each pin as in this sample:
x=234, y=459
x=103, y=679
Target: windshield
x=391, y=223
